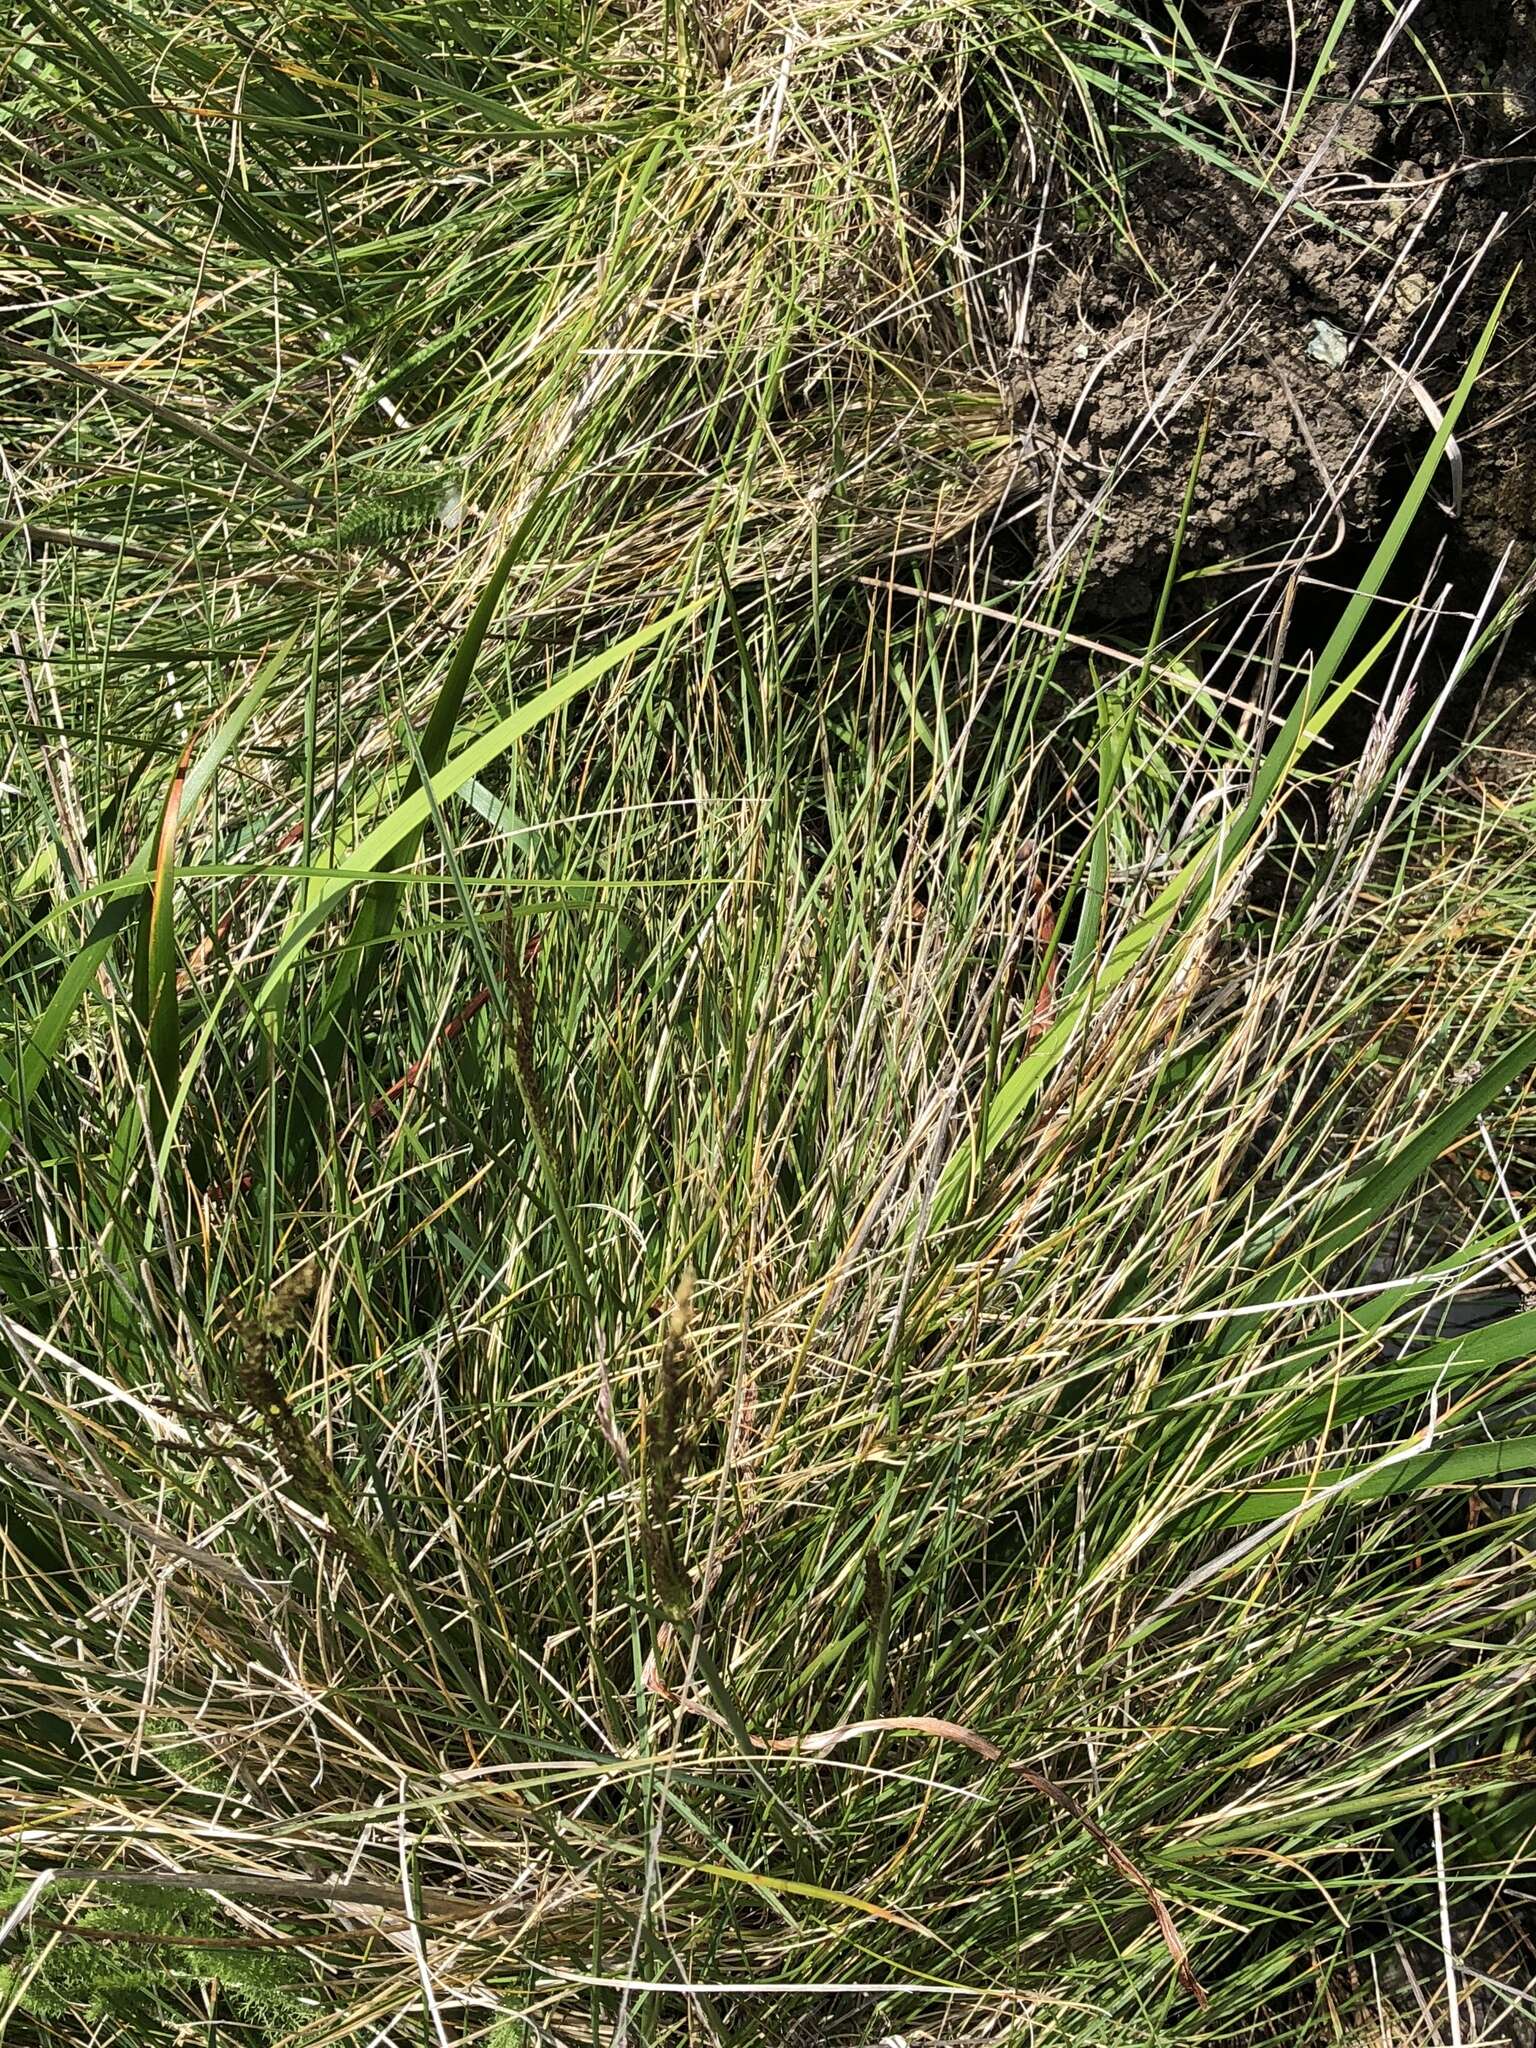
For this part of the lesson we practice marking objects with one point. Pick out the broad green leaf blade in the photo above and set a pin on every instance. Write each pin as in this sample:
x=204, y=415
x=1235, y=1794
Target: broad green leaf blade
x=404, y=823
x=1473, y=1464
x=1366, y=1205
x=379, y=906
x=1440, y=1367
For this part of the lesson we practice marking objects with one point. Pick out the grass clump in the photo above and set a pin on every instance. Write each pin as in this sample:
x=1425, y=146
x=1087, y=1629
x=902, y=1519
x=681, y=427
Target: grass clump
x=735, y=1279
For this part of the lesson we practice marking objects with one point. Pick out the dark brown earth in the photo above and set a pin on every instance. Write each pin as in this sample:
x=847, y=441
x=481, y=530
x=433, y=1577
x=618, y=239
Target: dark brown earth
x=1291, y=336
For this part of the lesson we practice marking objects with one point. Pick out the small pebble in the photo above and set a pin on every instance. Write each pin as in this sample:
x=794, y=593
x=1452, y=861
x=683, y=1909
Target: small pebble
x=1412, y=289
x=1327, y=345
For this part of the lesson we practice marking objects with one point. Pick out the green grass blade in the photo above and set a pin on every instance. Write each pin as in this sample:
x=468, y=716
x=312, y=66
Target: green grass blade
x=1471, y=1465
x=403, y=825
x=21, y=1080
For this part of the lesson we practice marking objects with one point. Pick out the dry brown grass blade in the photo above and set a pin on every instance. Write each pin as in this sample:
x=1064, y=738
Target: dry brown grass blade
x=1172, y=1940
x=888, y=1724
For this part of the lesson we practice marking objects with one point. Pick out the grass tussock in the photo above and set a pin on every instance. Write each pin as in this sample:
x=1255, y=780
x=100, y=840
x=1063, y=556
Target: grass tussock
x=742, y=1291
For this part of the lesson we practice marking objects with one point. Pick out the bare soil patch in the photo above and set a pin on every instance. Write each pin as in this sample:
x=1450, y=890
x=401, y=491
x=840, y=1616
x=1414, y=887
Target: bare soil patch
x=1297, y=350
